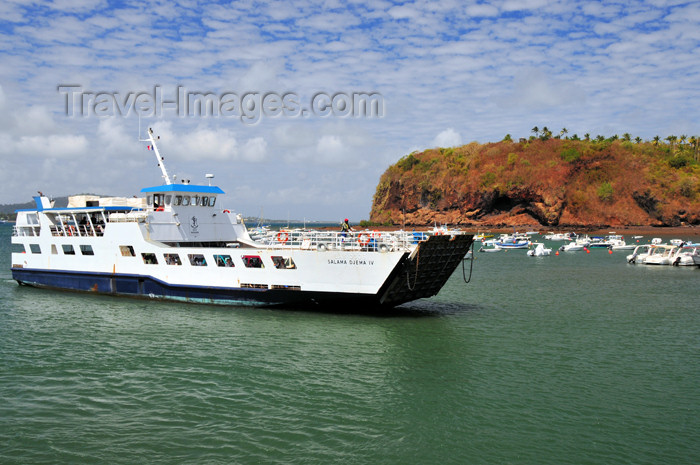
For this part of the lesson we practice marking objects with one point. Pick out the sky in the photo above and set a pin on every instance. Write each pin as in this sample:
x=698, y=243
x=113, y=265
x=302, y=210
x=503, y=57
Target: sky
x=283, y=128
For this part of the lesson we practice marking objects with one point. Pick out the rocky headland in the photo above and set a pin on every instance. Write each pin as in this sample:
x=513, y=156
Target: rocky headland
x=552, y=182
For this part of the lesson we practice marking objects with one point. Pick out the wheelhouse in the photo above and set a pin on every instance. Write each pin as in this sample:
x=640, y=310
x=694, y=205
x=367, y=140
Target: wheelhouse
x=165, y=197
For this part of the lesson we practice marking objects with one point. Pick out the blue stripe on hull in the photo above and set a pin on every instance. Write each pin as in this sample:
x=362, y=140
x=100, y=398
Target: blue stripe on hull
x=148, y=287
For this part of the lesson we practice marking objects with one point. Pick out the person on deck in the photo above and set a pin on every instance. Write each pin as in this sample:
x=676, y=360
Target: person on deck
x=345, y=228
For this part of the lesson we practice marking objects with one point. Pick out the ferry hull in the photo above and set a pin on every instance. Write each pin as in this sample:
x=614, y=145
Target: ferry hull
x=419, y=275
x=151, y=288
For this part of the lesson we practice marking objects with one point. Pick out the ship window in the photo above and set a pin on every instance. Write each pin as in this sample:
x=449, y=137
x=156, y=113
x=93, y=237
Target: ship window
x=68, y=249
x=205, y=201
x=185, y=200
x=285, y=287
x=149, y=200
x=54, y=250
x=223, y=260
x=196, y=200
x=178, y=200
x=252, y=261
x=149, y=258
x=212, y=201
x=168, y=199
x=197, y=259
x=172, y=259
x=127, y=251
x=284, y=263
x=35, y=248
x=86, y=250
x=254, y=286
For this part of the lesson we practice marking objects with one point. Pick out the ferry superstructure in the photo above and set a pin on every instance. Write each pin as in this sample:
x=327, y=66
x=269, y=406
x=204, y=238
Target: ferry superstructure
x=176, y=242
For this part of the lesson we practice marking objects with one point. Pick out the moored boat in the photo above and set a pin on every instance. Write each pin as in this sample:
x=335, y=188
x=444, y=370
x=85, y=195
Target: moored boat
x=639, y=254
x=661, y=254
x=686, y=255
x=558, y=237
x=539, y=251
x=510, y=241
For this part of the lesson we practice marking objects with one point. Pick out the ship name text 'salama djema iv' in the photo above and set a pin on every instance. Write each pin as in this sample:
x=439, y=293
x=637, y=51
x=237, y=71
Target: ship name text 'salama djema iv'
x=177, y=243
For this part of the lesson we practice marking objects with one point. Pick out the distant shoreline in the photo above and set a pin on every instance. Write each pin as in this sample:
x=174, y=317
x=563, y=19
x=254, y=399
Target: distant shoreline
x=623, y=230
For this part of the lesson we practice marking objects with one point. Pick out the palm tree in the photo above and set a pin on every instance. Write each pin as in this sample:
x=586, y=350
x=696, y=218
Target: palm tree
x=546, y=133
x=638, y=140
x=672, y=140
x=536, y=130
x=587, y=136
x=563, y=131
x=600, y=138
x=694, y=145
x=627, y=137
x=656, y=140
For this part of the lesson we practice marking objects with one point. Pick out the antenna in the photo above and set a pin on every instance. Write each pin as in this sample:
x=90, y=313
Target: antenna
x=158, y=157
x=209, y=177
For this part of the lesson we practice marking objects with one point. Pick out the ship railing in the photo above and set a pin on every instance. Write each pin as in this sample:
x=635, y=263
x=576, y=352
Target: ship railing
x=33, y=230
x=131, y=217
x=70, y=230
x=363, y=241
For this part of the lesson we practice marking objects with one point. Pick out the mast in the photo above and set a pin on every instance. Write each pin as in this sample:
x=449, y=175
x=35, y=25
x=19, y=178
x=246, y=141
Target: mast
x=158, y=157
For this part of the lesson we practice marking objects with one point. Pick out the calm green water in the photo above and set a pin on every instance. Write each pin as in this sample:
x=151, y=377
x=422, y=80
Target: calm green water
x=575, y=359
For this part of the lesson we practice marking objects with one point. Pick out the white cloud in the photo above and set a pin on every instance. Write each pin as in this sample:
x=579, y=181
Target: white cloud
x=204, y=144
x=515, y=5
x=255, y=150
x=447, y=138
x=52, y=146
x=535, y=89
x=330, y=148
x=482, y=9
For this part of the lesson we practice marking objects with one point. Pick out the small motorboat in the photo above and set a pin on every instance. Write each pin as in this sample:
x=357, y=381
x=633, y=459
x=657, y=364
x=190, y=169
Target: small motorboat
x=661, y=254
x=579, y=244
x=686, y=255
x=639, y=254
x=539, y=251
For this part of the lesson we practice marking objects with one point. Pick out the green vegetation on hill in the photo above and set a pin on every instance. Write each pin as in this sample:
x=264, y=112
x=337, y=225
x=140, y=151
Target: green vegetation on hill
x=550, y=180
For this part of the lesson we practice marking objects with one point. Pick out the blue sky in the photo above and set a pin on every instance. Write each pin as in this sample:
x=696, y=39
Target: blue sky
x=448, y=72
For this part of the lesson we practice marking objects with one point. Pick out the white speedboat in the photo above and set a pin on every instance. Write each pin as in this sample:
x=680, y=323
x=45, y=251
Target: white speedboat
x=177, y=242
x=512, y=241
x=686, y=255
x=611, y=241
x=558, y=237
x=661, y=254
x=580, y=243
x=572, y=247
x=539, y=251
x=639, y=254
x=617, y=242
x=490, y=248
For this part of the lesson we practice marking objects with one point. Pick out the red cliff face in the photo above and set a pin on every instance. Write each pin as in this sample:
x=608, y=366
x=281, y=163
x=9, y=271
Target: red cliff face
x=552, y=183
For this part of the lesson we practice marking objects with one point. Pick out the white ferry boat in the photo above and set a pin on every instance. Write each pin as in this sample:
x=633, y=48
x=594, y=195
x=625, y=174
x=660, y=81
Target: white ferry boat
x=176, y=242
